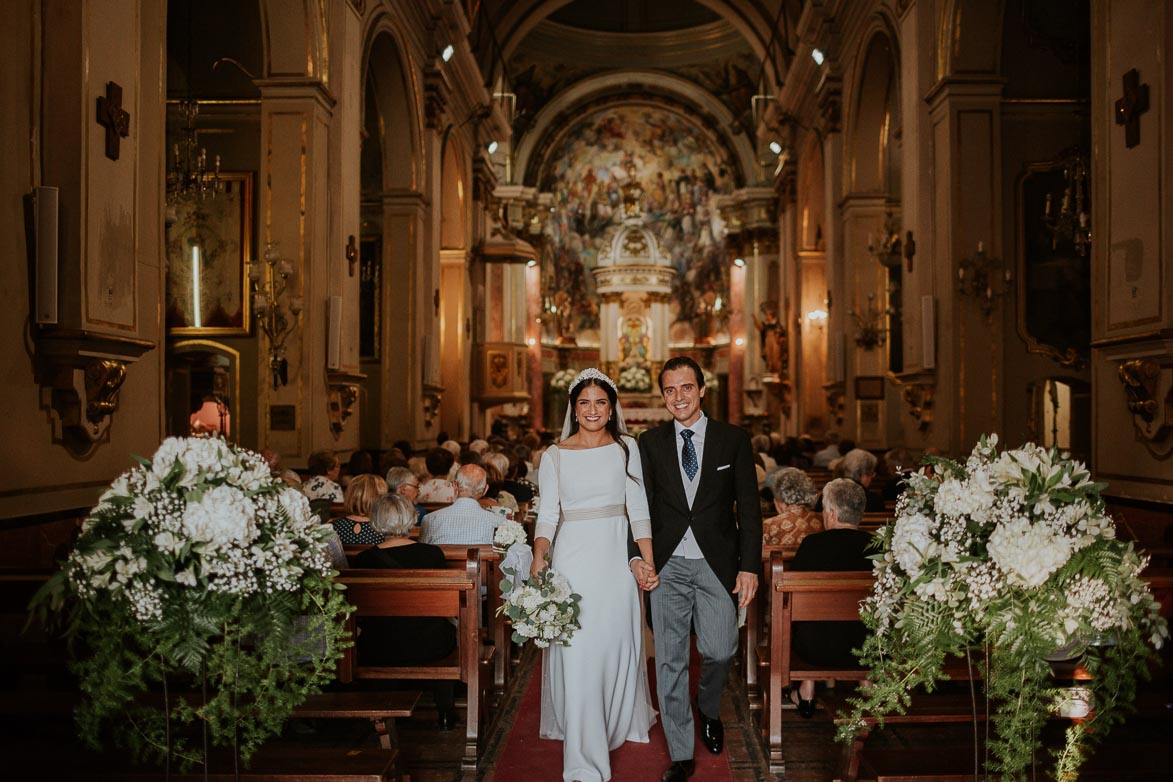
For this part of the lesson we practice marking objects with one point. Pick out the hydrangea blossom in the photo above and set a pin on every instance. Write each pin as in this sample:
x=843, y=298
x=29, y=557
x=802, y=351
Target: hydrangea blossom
x=200, y=515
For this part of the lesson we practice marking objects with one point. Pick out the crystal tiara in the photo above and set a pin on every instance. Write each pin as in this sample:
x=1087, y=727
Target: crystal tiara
x=591, y=373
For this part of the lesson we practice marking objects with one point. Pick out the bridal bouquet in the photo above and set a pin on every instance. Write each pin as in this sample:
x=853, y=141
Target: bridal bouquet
x=544, y=610
x=198, y=567
x=1010, y=554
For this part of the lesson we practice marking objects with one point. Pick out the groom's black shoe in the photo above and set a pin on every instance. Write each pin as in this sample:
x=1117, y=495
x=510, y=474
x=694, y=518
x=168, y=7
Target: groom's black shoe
x=679, y=771
x=712, y=733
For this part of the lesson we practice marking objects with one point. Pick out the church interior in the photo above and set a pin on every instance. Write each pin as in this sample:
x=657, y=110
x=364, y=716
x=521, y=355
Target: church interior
x=365, y=225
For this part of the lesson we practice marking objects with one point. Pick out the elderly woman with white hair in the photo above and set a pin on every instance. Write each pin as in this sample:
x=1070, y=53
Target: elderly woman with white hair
x=410, y=640
x=794, y=499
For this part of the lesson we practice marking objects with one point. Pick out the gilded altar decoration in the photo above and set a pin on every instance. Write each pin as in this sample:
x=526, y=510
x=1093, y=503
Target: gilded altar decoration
x=633, y=162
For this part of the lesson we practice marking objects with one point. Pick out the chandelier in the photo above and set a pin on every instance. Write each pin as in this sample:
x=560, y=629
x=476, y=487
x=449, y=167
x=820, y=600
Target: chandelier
x=188, y=175
x=277, y=314
x=1071, y=223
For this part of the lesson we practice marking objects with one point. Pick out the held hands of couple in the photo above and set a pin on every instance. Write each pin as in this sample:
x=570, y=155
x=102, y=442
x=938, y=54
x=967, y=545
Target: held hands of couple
x=645, y=574
x=745, y=588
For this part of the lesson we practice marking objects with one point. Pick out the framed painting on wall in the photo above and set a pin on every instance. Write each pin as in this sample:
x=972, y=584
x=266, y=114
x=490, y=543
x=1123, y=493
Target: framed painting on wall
x=209, y=248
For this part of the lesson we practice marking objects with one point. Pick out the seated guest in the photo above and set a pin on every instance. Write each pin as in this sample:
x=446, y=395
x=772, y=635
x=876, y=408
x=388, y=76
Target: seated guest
x=360, y=463
x=517, y=480
x=407, y=640
x=897, y=462
x=463, y=522
x=842, y=546
x=860, y=466
x=761, y=447
x=794, y=497
x=322, y=484
x=419, y=466
x=828, y=453
x=401, y=480
x=355, y=528
x=497, y=467
x=438, y=488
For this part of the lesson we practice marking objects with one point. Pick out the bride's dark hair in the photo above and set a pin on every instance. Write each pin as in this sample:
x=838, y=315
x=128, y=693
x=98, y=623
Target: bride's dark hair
x=612, y=425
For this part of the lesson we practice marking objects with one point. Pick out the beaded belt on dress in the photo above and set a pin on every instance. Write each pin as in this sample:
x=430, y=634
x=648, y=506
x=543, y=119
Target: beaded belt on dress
x=586, y=514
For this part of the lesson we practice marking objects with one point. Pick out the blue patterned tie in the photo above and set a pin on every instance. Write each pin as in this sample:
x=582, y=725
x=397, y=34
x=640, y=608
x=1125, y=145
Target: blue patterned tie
x=688, y=454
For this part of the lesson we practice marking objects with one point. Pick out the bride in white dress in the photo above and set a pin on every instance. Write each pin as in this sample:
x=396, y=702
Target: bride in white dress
x=595, y=691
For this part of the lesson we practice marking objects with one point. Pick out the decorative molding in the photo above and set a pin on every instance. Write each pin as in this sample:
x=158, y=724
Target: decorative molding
x=80, y=374
x=342, y=392
x=1148, y=390
x=431, y=399
x=919, y=398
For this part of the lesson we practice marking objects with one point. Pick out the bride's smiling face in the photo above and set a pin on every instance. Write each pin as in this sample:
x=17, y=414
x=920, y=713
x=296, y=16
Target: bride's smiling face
x=592, y=408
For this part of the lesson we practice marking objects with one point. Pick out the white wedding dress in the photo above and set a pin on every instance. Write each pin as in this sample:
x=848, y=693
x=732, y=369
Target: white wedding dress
x=595, y=691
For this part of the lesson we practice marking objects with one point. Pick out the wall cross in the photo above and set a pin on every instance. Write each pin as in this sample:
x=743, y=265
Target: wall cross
x=1129, y=108
x=114, y=118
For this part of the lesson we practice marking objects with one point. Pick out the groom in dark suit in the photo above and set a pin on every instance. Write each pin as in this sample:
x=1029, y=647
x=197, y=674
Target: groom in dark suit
x=707, y=541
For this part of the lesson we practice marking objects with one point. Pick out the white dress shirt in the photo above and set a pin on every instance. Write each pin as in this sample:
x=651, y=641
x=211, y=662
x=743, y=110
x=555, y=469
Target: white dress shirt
x=688, y=547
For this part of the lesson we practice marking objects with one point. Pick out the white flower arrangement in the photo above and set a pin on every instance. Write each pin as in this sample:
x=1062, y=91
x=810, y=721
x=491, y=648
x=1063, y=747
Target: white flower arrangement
x=711, y=381
x=1013, y=554
x=199, y=561
x=200, y=515
x=543, y=610
x=562, y=379
x=508, y=533
x=635, y=378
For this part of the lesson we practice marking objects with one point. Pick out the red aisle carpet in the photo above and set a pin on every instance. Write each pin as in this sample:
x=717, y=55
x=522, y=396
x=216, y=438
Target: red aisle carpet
x=529, y=758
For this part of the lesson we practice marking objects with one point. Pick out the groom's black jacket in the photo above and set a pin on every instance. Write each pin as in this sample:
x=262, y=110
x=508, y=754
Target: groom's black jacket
x=726, y=515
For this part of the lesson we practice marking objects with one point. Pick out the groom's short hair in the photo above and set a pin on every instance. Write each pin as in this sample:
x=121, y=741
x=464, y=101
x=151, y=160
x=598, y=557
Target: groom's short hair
x=680, y=362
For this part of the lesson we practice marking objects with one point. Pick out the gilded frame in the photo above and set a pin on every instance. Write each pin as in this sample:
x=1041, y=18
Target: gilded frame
x=221, y=227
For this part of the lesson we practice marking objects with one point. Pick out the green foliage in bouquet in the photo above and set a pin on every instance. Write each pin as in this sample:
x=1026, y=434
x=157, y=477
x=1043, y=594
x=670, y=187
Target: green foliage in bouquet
x=1011, y=555
x=197, y=571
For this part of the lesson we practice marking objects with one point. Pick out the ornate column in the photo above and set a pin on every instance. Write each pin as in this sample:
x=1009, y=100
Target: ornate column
x=1132, y=278
x=759, y=353
x=94, y=130
x=967, y=186
x=830, y=110
x=501, y=354
x=296, y=115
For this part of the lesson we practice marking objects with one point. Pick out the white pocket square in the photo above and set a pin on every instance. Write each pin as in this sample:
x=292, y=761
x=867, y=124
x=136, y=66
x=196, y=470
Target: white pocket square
x=724, y=467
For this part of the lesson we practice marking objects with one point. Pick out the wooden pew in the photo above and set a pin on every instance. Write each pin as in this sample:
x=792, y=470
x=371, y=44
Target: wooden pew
x=803, y=597
x=755, y=647
x=876, y=519
x=449, y=593
x=496, y=627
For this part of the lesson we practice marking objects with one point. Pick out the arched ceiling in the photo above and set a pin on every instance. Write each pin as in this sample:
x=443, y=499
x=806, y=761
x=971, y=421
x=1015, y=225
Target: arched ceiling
x=729, y=49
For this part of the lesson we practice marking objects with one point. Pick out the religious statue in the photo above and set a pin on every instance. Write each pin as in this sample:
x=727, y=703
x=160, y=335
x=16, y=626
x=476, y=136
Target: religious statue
x=773, y=339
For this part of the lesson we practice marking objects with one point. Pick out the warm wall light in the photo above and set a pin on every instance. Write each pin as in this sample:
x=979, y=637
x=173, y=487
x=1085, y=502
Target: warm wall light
x=739, y=262
x=739, y=341
x=531, y=263
x=446, y=55
x=817, y=56
x=775, y=147
x=492, y=146
x=817, y=318
x=532, y=341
